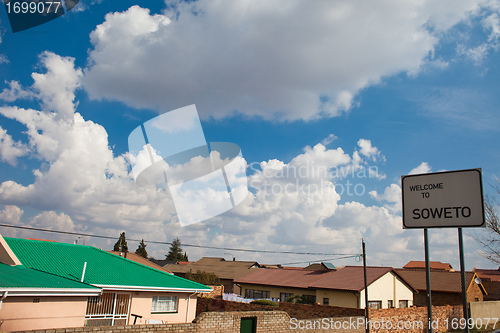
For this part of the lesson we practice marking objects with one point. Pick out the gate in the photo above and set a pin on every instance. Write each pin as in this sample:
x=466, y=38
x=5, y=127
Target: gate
x=108, y=309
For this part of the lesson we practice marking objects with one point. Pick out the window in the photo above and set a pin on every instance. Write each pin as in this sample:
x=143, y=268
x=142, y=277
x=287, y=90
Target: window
x=164, y=304
x=309, y=299
x=375, y=304
x=326, y=301
x=251, y=293
x=36, y=300
x=390, y=303
x=403, y=303
x=285, y=296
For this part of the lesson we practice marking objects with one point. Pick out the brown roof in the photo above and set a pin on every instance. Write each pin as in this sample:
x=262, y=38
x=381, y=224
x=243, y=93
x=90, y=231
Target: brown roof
x=141, y=260
x=440, y=280
x=283, y=277
x=493, y=290
x=435, y=265
x=349, y=278
x=223, y=269
x=492, y=274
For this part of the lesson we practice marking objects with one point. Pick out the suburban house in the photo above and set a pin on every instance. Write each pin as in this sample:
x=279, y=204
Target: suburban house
x=227, y=271
x=433, y=265
x=342, y=286
x=446, y=286
x=139, y=259
x=67, y=285
x=490, y=279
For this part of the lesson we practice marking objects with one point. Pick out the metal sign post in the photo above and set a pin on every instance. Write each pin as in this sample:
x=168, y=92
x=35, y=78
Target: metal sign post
x=462, y=278
x=452, y=199
x=428, y=282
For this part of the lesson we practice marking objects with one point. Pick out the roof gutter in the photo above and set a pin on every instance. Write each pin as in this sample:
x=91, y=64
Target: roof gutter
x=4, y=295
x=143, y=288
x=49, y=292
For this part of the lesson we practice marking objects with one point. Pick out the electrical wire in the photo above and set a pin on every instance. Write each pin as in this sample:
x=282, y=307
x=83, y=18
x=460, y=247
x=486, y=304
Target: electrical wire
x=169, y=243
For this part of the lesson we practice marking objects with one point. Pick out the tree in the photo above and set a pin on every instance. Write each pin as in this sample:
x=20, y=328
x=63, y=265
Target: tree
x=491, y=240
x=141, y=250
x=121, y=244
x=175, y=252
x=206, y=278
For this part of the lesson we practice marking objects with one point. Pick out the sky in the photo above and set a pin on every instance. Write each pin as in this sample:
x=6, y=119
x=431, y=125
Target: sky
x=331, y=102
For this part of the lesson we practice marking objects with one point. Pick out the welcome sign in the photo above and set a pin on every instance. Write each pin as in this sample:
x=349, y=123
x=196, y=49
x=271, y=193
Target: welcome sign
x=443, y=199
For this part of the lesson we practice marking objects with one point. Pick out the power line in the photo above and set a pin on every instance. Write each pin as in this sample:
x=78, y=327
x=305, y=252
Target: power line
x=322, y=260
x=169, y=243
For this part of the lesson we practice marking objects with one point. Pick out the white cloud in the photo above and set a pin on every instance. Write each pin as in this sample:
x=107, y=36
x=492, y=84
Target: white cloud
x=53, y=221
x=329, y=139
x=280, y=60
x=422, y=168
x=78, y=172
x=11, y=214
x=392, y=195
x=369, y=151
x=14, y=92
x=11, y=150
x=307, y=203
x=56, y=88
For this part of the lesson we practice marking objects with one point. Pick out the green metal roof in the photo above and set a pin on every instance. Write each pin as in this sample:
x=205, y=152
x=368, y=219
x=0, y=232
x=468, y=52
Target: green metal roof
x=103, y=268
x=24, y=277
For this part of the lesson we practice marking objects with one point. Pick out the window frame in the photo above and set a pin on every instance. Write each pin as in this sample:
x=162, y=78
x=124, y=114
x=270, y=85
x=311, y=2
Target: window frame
x=378, y=304
x=167, y=299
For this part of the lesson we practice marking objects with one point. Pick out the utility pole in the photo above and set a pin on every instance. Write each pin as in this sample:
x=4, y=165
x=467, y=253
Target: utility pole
x=367, y=314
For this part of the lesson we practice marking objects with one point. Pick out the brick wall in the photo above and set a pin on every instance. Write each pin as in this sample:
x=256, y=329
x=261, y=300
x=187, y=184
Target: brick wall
x=216, y=292
x=299, y=311
x=209, y=322
x=414, y=319
x=282, y=322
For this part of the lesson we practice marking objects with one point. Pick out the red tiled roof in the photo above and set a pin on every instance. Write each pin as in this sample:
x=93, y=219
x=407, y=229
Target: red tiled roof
x=349, y=278
x=437, y=265
x=283, y=277
x=223, y=269
x=43, y=240
x=492, y=274
x=141, y=260
x=440, y=280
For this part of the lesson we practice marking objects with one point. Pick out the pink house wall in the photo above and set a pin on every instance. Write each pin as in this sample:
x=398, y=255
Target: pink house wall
x=141, y=305
x=21, y=313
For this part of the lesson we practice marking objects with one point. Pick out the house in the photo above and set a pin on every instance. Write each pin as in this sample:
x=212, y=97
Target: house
x=446, y=286
x=340, y=286
x=227, y=271
x=30, y=298
x=139, y=259
x=490, y=279
x=433, y=265
x=101, y=288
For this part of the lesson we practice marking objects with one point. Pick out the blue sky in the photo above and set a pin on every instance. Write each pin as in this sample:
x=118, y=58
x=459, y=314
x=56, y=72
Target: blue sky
x=392, y=87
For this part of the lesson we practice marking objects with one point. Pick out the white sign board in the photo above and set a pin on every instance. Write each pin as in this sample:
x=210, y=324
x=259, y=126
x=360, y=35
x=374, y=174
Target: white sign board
x=443, y=199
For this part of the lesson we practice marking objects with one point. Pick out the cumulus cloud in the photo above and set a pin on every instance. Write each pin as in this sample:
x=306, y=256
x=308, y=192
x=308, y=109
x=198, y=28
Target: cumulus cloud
x=281, y=60
x=369, y=151
x=422, y=168
x=311, y=202
x=78, y=173
x=11, y=150
x=391, y=195
x=11, y=214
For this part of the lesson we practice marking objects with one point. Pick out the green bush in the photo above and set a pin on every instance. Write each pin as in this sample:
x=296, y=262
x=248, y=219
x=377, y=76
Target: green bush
x=264, y=302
